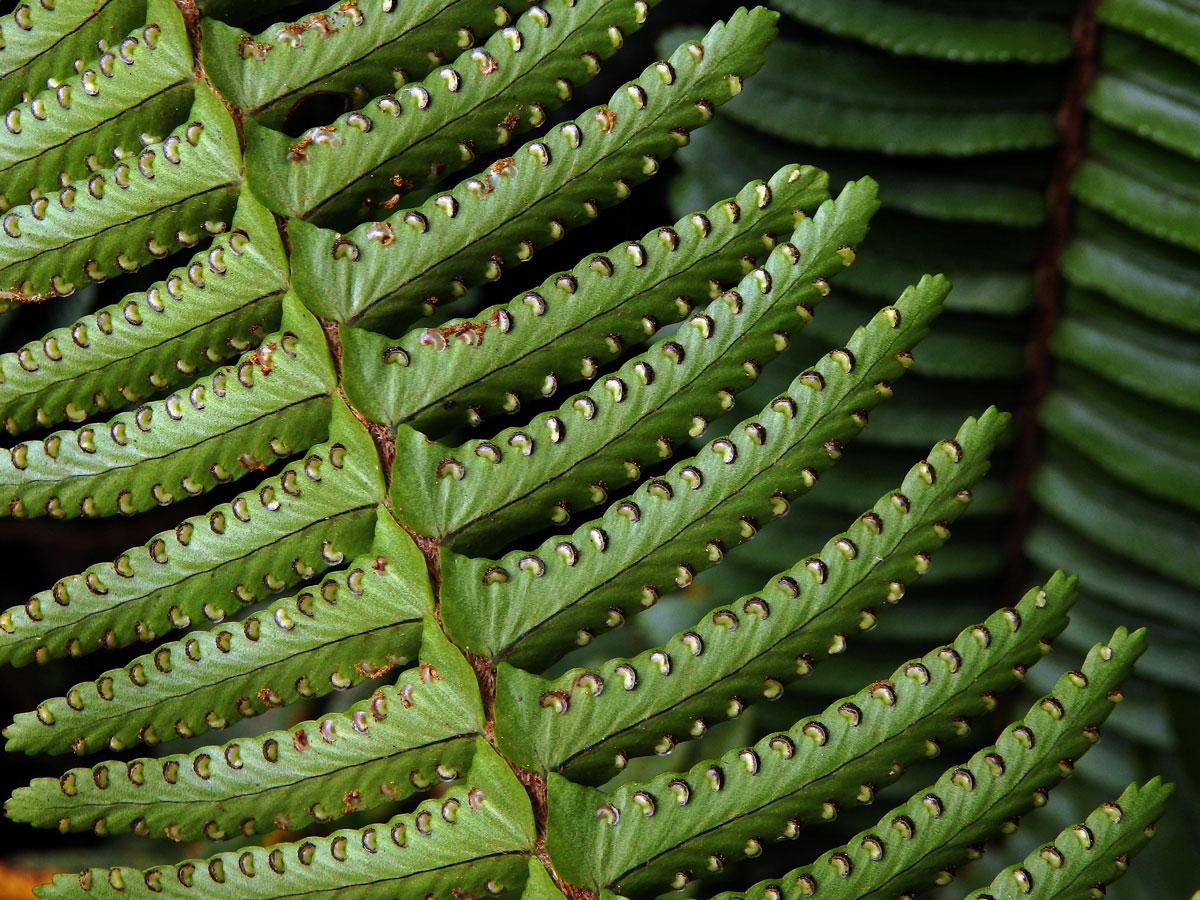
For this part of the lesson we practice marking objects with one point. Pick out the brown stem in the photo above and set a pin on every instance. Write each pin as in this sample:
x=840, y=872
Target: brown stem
x=1048, y=287
x=191, y=21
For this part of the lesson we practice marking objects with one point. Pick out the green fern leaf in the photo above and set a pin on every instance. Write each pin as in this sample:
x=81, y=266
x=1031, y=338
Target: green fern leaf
x=538, y=604
x=961, y=35
x=614, y=299
x=1148, y=92
x=921, y=842
x=668, y=389
x=357, y=625
x=40, y=40
x=1161, y=283
x=956, y=192
x=1128, y=351
x=1159, y=459
x=646, y=837
x=1171, y=23
x=716, y=668
x=363, y=52
x=364, y=159
x=1163, y=197
x=167, y=198
x=475, y=836
x=353, y=278
x=144, y=83
x=315, y=514
x=1087, y=857
x=405, y=738
x=272, y=404
x=1159, y=537
x=851, y=100
x=224, y=300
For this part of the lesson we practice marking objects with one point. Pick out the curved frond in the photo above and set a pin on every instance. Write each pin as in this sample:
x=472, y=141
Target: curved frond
x=959, y=34
x=358, y=50
x=536, y=605
x=556, y=334
x=484, y=98
x=921, y=842
x=644, y=838
x=142, y=86
x=127, y=215
x=315, y=514
x=40, y=40
x=225, y=299
x=405, y=738
x=1087, y=857
x=868, y=102
x=747, y=651
x=271, y=405
x=478, y=834
x=358, y=624
x=525, y=478
x=394, y=270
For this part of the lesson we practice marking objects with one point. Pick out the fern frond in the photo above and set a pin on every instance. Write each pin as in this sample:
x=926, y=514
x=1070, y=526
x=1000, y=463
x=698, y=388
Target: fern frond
x=1171, y=23
x=225, y=299
x=315, y=514
x=357, y=625
x=521, y=480
x=387, y=272
x=961, y=35
x=1087, y=857
x=272, y=404
x=432, y=129
x=1127, y=351
x=1139, y=184
x=1110, y=578
x=1162, y=538
x=556, y=334
x=360, y=51
x=127, y=215
x=643, y=838
x=1161, y=283
x=920, y=842
x=1159, y=458
x=534, y=606
x=40, y=41
x=144, y=84
x=956, y=191
x=1149, y=92
x=749, y=650
x=868, y=102
x=478, y=835
x=405, y=738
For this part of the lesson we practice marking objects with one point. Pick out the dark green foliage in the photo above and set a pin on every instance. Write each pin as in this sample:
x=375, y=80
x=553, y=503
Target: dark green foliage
x=446, y=500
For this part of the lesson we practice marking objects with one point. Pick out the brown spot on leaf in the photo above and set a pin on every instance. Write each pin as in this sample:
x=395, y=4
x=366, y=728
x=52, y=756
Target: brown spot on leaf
x=370, y=670
x=607, y=118
x=351, y=801
x=476, y=329
x=250, y=463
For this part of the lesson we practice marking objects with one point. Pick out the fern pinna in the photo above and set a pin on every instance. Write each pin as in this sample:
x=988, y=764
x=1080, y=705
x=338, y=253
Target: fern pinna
x=1045, y=154
x=422, y=527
